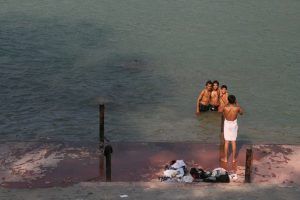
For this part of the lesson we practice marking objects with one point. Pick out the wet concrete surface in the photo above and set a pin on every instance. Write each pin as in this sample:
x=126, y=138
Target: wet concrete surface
x=49, y=164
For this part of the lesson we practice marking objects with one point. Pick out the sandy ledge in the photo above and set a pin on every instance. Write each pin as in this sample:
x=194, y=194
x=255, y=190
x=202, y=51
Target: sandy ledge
x=276, y=172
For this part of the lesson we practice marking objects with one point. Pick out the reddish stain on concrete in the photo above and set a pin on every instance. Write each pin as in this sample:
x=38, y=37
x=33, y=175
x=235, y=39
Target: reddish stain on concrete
x=141, y=162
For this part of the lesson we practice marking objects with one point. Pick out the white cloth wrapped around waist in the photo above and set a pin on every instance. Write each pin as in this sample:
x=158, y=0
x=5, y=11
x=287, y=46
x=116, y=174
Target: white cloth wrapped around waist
x=230, y=130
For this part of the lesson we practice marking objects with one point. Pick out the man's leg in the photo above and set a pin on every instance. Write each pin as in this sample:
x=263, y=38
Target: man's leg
x=233, y=143
x=225, y=151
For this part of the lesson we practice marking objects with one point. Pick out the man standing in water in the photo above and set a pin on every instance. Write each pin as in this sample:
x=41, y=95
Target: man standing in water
x=204, y=98
x=223, y=98
x=214, y=97
x=230, y=113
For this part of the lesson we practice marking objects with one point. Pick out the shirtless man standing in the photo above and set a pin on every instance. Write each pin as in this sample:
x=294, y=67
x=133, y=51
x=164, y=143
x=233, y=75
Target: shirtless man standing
x=204, y=98
x=230, y=113
x=223, y=98
x=215, y=96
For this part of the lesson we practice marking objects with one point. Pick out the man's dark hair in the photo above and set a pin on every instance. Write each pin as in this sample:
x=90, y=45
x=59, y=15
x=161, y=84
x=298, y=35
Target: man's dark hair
x=217, y=82
x=224, y=86
x=208, y=82
x=231, y=99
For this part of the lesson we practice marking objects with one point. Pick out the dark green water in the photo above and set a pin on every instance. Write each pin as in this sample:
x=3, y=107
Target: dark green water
x=147, y=60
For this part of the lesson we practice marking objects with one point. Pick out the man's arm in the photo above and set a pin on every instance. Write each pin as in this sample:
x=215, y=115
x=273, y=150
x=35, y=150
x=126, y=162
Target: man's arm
x=241, y=112
x=224, y=112
x=198, y=101
x=221, y=100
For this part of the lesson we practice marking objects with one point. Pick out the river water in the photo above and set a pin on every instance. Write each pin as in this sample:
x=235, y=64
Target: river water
x=147, y=61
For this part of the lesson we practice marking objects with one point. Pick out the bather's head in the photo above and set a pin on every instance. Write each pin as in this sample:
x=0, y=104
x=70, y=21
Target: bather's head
x=208, y=85
x=231, y=99
x=223, y=89
x=215, y=85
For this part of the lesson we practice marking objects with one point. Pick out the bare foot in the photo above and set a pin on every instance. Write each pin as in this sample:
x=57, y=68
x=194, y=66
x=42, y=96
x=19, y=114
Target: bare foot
x=224, y=160
x=234, y=160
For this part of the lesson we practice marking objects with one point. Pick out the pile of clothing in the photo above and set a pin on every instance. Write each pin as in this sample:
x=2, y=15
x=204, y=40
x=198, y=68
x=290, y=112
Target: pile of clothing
x=176, y=171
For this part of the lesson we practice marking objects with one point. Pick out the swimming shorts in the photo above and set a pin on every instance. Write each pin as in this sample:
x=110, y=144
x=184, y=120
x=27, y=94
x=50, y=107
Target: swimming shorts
x=214, y=108
x=204, y=108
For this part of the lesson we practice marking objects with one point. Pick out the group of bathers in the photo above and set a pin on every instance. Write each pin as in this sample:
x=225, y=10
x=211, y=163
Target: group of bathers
x=204, y=108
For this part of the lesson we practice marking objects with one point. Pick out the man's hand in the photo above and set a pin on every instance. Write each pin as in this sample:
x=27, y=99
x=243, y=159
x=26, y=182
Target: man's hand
x=241, y=111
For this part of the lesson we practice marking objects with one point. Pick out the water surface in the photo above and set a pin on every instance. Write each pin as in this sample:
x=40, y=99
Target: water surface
x=148, y=61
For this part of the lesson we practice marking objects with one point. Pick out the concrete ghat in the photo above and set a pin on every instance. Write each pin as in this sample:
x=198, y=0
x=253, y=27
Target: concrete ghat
x=48, y=164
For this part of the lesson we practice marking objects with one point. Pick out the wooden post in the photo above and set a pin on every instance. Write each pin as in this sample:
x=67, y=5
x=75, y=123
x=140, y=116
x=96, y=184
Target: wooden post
x=248, y=167
x=101, y=123
x=107, y=152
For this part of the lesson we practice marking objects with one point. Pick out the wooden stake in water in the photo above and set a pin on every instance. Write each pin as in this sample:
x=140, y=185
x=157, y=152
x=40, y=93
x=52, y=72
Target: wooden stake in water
x=107, y=152
x=248, y=167
x=101, y=123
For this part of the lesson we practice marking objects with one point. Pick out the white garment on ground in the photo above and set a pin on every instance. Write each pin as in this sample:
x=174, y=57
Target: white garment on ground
x=233, y=177
x=178, y=164
x=170, y=173
x=187, y=179
x=180, y=172
x=230, y=130
x=177, y=169
x=174, y=173
x=218, y=172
